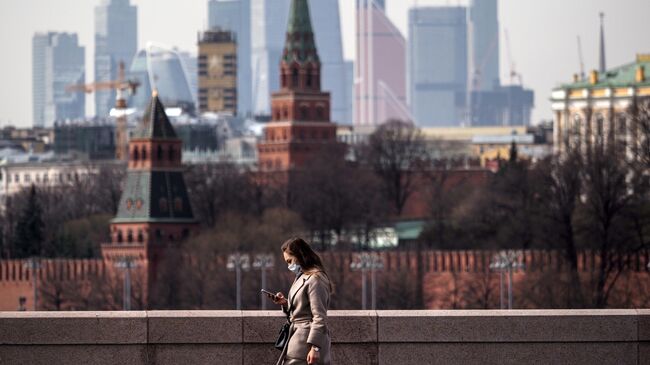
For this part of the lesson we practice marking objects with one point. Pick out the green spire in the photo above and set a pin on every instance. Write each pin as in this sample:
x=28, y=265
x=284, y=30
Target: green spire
x=155, y=123
x=300, y=46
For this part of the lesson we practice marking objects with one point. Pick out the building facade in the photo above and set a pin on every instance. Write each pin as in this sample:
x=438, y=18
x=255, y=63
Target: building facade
x=437, y=65
x=380, y=85
x=58, y=61
x=116, y=40
x=235, y=16
x=217, y=70
x=597, y=110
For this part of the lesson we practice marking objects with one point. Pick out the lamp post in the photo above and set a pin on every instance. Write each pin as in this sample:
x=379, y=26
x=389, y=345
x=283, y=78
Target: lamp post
x=126, y=263
x=238, y=262
x=368, y=261
x=506, y=261
x=263, y=262
x=34, y=264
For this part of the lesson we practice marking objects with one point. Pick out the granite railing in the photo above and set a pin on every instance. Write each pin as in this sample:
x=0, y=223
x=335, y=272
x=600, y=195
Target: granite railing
x=359, y=337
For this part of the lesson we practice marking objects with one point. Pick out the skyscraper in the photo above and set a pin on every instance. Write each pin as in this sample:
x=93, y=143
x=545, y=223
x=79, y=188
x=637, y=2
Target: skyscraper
x=484, y=35
x=58, y=61
x=380, y=87
x=437, y=65
x=268, y=26
x=217, y=72
x=116, y=35
x=161, y=68
x=235, y=16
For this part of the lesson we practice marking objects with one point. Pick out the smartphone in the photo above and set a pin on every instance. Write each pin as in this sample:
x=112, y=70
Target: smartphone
x=272, y=295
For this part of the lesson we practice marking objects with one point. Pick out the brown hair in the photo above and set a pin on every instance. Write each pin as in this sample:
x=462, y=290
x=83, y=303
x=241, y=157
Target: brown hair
x=307, y=258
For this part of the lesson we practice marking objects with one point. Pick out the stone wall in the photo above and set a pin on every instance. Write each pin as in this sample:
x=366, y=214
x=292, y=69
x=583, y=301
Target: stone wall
x=359, y=337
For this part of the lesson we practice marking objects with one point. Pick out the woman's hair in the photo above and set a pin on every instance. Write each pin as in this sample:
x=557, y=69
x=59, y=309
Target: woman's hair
x=306, y=257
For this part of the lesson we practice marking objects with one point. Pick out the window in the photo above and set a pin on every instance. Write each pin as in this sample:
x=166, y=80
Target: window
x=129, y=204
x=162, y=204
x=159, y=153
x=120, y=237
x=144, y=154
x=294, y=77
x=17, y=178
x=304, y=113
x=129, y=236
x=140, y=236
x=178, y=204
x=171, y=153
x=136, y=155
x=27, y=177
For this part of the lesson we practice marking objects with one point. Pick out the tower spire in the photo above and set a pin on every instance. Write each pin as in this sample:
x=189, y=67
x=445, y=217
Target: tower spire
x=299, y=45
x=602, y=66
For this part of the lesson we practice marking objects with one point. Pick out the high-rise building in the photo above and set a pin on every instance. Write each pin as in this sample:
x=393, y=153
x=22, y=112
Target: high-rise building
x=300, y=123
x=58, y=61
x=437, y=65
x=191, y=67
x=380, y=87
x=484, y=35
x=217, y=70
x=116, y=35
x=161, y=68
x=380, y=4
x=235, y=16
x=268, y=26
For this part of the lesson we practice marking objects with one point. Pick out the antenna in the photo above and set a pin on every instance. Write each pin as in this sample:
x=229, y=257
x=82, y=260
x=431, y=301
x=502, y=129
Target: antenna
x=582, y=64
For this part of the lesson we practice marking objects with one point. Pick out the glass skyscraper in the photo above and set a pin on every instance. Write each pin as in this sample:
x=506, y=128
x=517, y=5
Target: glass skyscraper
x=380, y=85
x=235, y=16
x=437, y=65
x=116, y=35
x=268, y=33
x=161, y=68
x=484, y=35
x=58, y=61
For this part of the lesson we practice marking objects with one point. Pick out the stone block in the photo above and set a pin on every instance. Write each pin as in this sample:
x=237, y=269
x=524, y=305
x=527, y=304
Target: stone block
x=73, y=354
x=507, y=326
x=353, y=326
x=73, y=327
x=262, y=326
x=508, y=353
x=196, y=354
x=195, y=327
x=357, y=354
x=255, y=354
x=644, y=324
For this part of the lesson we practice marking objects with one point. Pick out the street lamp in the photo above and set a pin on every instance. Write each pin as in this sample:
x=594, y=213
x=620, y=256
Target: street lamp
x=126, y=263
x=238, y=262
x=364, y=262
x=506, y=261
x=263, y=262
x=34, y=264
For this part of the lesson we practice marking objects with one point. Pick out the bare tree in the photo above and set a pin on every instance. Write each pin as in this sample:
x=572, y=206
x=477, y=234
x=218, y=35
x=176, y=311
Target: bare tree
x=396, y=153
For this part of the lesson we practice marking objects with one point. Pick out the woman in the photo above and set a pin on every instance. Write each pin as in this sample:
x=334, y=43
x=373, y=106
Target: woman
x=307, y=303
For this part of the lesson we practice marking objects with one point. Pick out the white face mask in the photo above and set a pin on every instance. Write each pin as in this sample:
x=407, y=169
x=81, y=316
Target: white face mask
x=295, y=268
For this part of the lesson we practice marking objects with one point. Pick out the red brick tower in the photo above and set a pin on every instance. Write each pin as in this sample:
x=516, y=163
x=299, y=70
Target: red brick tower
x=300, y=110
x=154, y=214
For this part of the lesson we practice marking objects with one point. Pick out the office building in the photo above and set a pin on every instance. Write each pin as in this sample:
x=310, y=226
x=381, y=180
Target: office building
x=116, y=35
x=437, y=65
x=380, y=87
x=484, y=36
x=235, y=16
x=217, y=72
x=58, y=61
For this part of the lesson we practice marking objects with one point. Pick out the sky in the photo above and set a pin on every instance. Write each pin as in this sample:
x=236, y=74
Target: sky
x=543, y=38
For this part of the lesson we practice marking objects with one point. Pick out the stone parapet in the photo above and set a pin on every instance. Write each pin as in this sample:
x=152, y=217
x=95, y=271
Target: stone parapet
x=359, y=337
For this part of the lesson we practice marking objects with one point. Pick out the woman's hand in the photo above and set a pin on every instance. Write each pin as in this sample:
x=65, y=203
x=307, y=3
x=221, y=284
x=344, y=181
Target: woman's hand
x=313, y=356
x=279, y=299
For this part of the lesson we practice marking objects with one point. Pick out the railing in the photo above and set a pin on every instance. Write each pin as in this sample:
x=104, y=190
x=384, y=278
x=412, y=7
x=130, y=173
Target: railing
x=358, y=337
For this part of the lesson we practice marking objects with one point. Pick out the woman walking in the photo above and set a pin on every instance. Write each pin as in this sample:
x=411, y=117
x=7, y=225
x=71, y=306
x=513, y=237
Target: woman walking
x=307, y=304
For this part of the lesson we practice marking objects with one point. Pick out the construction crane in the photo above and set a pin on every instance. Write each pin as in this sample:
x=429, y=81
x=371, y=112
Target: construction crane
x=582, y=64
x=513, y=72
x=120, y=85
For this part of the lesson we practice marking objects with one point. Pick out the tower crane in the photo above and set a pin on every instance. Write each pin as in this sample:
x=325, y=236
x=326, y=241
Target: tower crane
x=120, y=85
x=513, y=72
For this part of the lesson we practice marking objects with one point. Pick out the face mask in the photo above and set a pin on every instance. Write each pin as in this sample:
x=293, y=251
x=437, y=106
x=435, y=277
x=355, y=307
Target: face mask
x=295, y=268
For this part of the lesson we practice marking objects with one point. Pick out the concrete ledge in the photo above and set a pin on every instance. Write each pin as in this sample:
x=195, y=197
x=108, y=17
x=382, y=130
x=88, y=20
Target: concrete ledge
x=359, y=337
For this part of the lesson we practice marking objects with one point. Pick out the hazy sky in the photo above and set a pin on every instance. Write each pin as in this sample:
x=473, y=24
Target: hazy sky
x=542, y=37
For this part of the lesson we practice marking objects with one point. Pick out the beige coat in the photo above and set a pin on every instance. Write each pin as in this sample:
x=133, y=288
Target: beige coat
x=309, y=298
